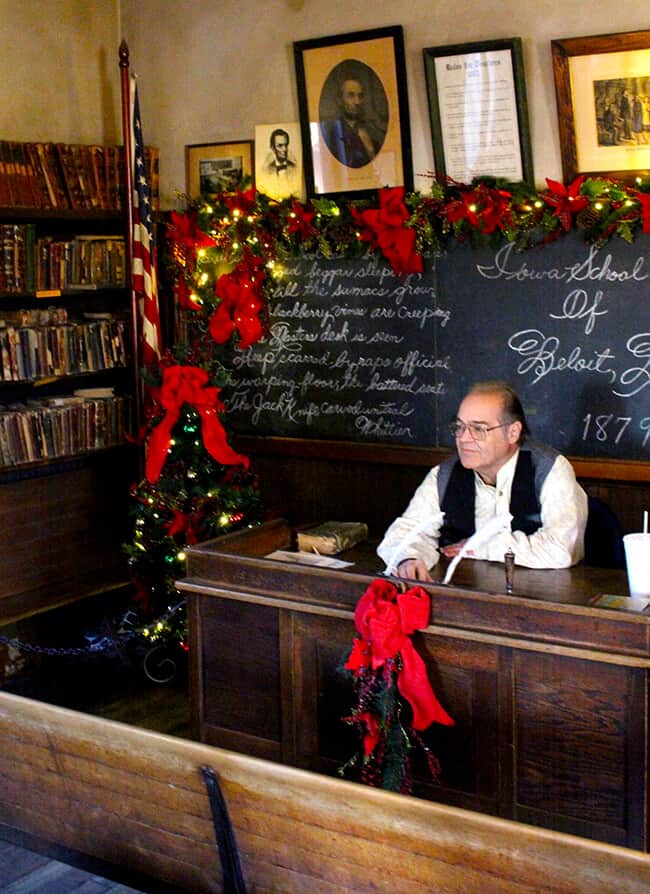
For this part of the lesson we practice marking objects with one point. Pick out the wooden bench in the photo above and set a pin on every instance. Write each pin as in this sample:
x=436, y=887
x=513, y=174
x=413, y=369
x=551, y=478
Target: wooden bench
x=137, y=799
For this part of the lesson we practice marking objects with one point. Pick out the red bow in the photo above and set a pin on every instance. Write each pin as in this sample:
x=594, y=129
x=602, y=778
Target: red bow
x=187, y=385
x=385, y=619
x=385, y=229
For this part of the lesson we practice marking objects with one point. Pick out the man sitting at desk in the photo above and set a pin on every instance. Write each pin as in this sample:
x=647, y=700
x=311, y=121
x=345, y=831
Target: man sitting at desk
x=497, y=471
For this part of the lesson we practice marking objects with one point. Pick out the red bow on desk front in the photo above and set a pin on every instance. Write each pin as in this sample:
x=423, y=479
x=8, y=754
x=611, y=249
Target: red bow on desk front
x=189, y=385
x=385, y=620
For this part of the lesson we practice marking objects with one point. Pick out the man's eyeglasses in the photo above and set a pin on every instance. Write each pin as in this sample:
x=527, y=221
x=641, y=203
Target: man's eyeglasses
x=478, y=430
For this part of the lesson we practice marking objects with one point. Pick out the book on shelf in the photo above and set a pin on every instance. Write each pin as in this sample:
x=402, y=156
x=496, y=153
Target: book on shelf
x=34, y=348
x=53, y=175
x=46, y=265
x=54, y=427
x=78, y=176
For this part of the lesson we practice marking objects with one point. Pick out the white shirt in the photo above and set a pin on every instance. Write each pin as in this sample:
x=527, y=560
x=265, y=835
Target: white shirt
x=558, y=543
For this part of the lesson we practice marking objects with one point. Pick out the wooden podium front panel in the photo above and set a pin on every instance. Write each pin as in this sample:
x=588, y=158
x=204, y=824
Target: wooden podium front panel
x=240, y=677
x=464, y=678
x=576, y=722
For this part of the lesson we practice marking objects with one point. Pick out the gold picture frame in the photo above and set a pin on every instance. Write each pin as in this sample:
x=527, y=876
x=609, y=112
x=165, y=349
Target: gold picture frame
x=209, y=164
x=601, y=87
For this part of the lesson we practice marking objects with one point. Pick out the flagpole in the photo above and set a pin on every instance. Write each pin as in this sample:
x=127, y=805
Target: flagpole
x=128, y=204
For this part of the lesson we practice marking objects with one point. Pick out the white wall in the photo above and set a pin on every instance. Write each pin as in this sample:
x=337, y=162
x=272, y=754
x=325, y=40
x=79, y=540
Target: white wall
x=210, y=70
x=59, y=71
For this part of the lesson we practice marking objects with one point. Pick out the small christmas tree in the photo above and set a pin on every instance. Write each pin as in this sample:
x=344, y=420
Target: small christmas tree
x=196, y=487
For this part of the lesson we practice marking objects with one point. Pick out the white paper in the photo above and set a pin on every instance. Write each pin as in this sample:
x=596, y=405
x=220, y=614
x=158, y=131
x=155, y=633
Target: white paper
x=285, y=555
x=478, y=115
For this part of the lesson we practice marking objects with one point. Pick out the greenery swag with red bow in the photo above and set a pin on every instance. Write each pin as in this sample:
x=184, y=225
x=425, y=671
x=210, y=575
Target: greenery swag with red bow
x=395, y=701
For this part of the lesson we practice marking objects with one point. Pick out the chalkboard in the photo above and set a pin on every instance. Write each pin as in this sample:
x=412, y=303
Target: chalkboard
x=356, y=353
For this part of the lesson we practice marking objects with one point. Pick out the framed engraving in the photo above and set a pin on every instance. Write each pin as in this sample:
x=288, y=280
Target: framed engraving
x=354, y=114
x=214, y=167
x=278, y=161
x=479, y=110
x=602, y=88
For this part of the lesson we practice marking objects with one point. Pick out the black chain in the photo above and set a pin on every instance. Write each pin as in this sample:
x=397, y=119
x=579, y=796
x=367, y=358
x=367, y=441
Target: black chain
x=96, y=644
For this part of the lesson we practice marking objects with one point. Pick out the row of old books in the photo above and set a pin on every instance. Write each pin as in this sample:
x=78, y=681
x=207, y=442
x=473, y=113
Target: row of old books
x=32, y=350
x=69, y=176
x=61, y=426
x=30, y=263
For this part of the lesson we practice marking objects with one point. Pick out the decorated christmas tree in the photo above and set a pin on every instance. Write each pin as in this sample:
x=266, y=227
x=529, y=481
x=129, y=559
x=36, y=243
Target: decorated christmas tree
x=196, y=486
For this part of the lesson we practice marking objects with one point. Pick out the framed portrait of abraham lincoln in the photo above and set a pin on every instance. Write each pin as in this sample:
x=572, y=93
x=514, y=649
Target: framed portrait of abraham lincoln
x=354, y=116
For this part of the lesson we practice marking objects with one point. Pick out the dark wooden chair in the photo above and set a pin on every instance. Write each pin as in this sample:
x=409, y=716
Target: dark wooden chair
x=603, y=537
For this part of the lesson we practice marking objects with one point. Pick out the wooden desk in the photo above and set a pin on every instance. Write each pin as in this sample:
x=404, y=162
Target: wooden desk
x=549, y=694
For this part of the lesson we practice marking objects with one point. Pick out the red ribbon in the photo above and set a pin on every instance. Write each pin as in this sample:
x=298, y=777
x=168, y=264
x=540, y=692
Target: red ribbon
x=189, y=385
x=385, y=619
x=385, y=229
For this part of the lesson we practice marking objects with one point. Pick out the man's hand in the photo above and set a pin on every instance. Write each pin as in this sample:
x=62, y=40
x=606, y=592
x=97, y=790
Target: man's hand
x=415, y=569
x=452, y=549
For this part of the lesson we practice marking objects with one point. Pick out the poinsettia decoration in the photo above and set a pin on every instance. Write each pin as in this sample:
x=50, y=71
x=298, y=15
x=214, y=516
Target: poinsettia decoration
x=567, y=201
x=395, y=700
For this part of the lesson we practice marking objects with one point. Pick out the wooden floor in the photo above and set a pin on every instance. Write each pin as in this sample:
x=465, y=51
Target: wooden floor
x=25, y=872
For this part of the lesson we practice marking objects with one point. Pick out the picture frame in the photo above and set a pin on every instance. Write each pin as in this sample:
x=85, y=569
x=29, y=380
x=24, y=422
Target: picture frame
x=354, y=114
x=602, y=127
x=478, y=109
x=278, y=161
x=206, y=164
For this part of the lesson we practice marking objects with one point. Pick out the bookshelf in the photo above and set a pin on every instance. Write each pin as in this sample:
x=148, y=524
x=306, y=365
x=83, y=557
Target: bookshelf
x=67, y=392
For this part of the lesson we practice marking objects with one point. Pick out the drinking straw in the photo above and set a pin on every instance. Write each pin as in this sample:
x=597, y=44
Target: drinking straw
x=645, y=521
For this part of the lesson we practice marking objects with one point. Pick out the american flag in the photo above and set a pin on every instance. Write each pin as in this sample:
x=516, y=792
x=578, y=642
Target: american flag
x=144, y=247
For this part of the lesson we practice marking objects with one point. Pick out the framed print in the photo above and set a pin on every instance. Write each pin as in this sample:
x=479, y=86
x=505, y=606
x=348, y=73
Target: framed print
x=278, y=161
x=354, y=114
x=479, y=110
x=602, y=88
x=213, y=167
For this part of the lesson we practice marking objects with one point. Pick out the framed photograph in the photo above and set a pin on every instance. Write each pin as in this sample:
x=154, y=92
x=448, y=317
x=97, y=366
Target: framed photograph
x=479, y=110
x=278, y=161
x=354, y=115
x=602, y=87
x=213, y=167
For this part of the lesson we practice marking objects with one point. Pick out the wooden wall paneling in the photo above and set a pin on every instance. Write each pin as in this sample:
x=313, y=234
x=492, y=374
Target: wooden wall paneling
x=312, y=488
x=74, y=524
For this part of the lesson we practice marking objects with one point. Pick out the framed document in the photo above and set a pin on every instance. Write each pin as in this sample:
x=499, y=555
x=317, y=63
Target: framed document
x=602, y=88
x=479, y=110
x=354, y=112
